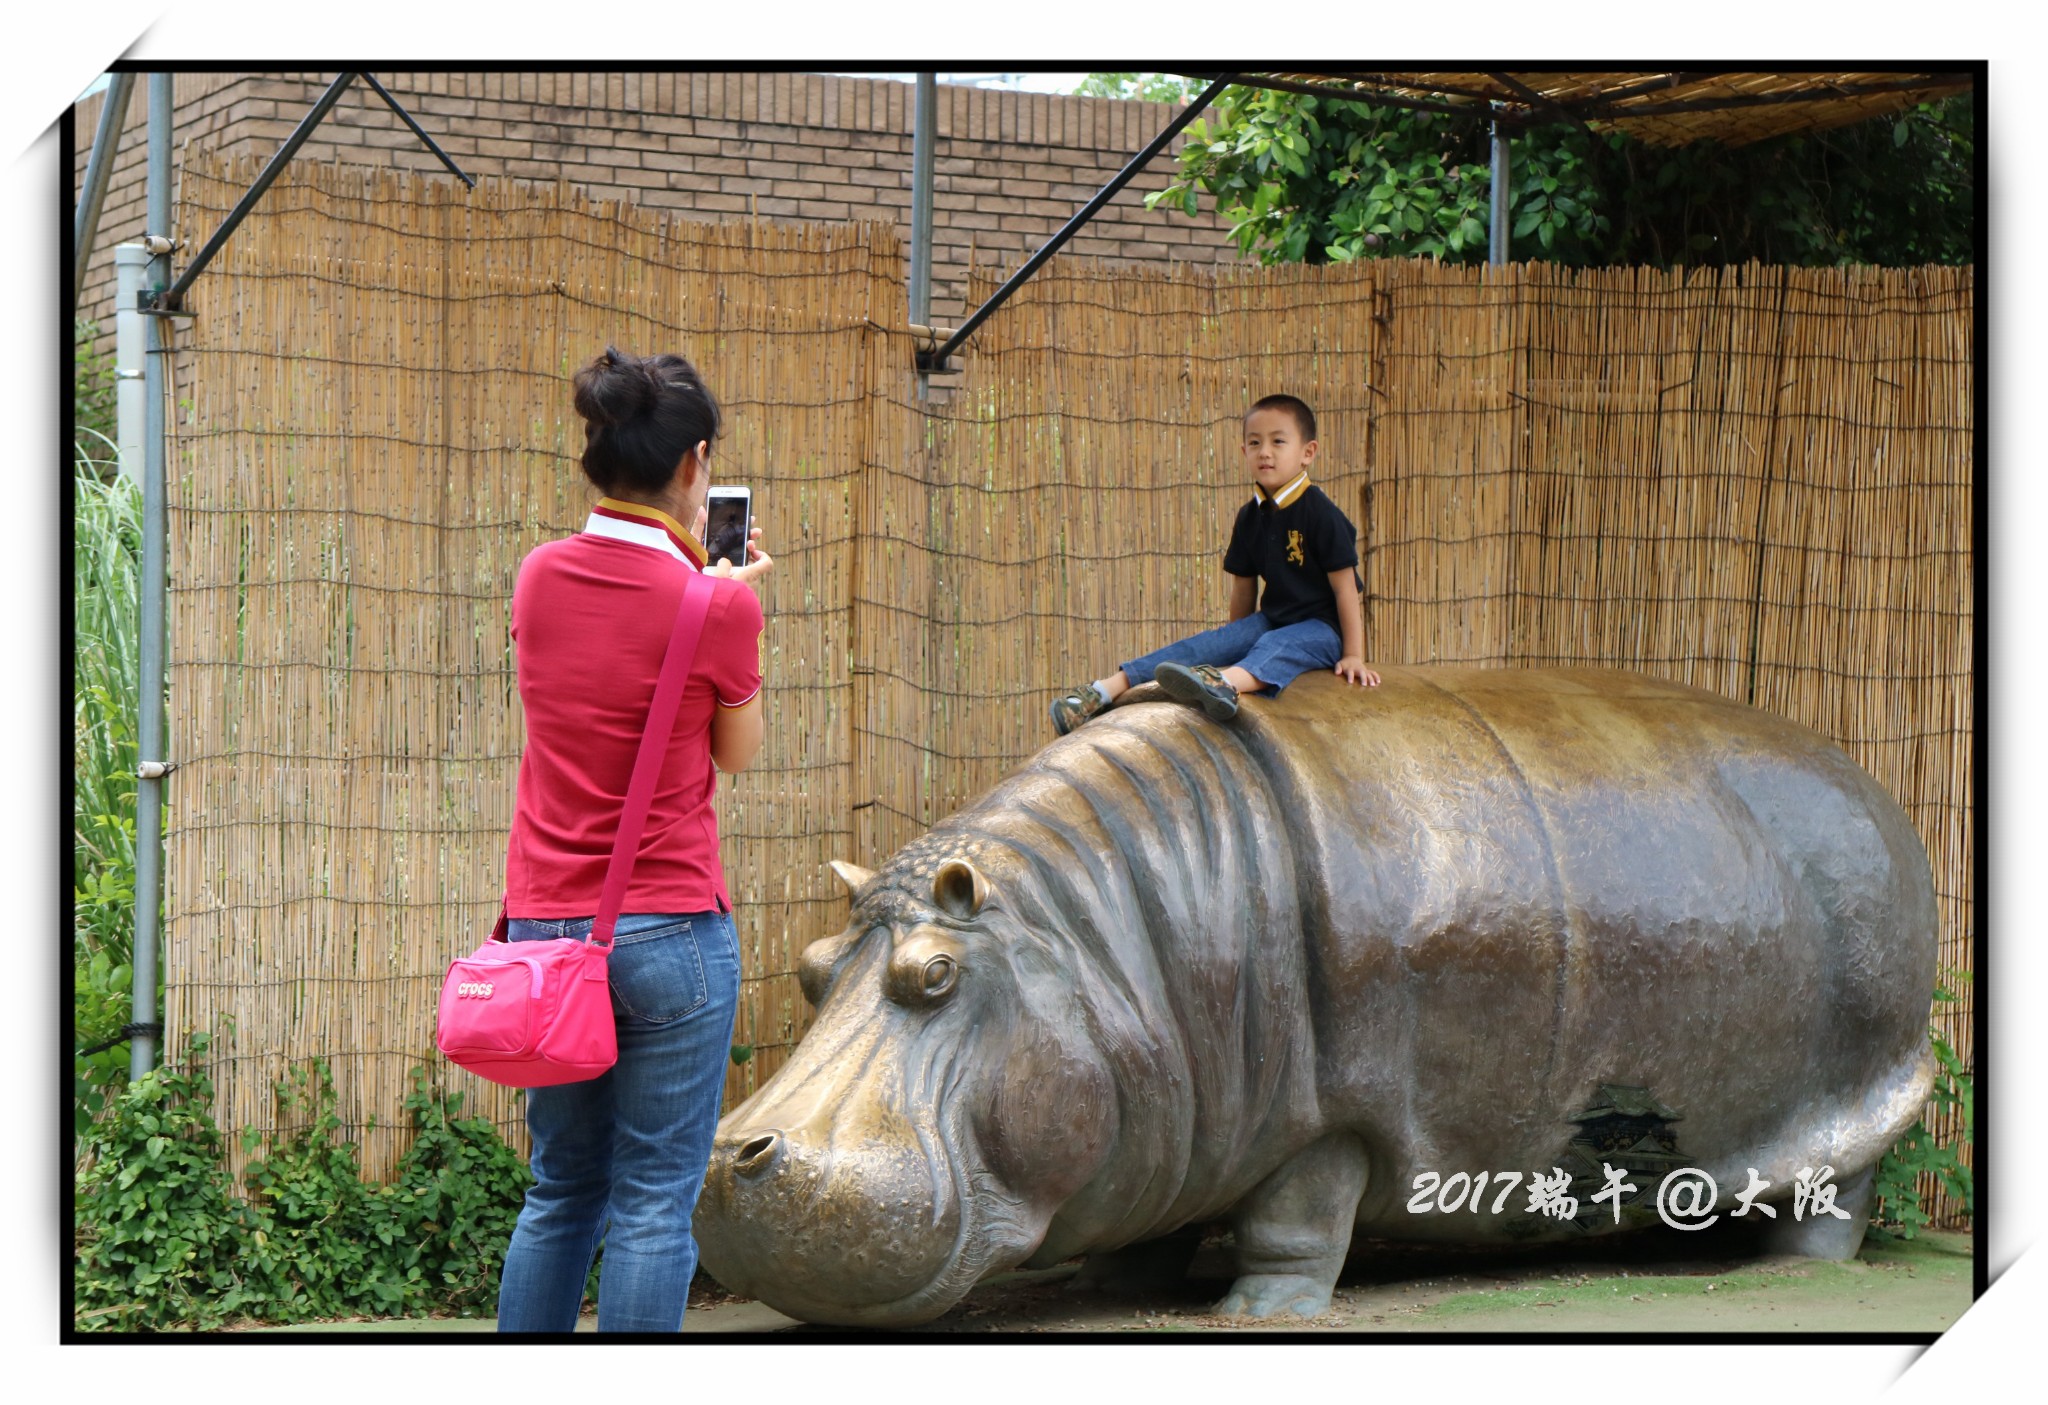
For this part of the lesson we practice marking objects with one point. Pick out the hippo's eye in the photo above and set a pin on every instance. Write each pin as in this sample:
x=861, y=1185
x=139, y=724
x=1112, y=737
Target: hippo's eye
x=924, y=970
x=939, y=974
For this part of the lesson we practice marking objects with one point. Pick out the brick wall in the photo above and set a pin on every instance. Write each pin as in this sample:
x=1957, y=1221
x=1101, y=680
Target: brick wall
x=1009, y=168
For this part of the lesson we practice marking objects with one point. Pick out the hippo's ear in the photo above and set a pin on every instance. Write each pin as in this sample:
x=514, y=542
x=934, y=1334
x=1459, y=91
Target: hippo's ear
x=852, y=875
x=959, y=888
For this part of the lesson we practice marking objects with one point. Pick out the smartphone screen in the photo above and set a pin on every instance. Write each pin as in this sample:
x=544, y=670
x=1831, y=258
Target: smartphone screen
x=726, y=525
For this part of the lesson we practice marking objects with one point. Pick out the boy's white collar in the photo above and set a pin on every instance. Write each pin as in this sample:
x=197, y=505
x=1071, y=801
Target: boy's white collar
x=1286, y=496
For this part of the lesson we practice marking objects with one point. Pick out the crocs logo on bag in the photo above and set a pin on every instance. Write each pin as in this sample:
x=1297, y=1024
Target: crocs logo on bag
x=474, y=990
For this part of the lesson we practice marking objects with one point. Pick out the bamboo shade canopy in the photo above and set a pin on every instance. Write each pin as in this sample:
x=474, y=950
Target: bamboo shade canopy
x=1754, y=480
x=1665, y=109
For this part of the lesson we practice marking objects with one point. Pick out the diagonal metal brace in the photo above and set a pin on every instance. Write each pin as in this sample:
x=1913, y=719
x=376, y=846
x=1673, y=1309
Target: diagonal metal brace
x=170, y=302
x=172, y=299
x=933, y=362
x=419, y=131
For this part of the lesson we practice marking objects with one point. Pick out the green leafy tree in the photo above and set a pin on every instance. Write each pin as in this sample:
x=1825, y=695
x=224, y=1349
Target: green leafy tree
x=93, y=380
x=1310, y=179
x=1140, y=87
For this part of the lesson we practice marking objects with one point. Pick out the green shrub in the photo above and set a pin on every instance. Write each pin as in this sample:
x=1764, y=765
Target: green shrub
x=158, y=1237
x=1915, y=1155
x=100, y=1006
x=322, y=1228
x=162, y=1241
x=464, y=1188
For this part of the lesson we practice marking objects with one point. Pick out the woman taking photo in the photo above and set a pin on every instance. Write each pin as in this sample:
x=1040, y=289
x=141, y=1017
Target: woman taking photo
x=620, y=1158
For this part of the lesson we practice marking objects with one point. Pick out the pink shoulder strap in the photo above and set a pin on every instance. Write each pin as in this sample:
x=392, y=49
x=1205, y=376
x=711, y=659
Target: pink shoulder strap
x=661, y=722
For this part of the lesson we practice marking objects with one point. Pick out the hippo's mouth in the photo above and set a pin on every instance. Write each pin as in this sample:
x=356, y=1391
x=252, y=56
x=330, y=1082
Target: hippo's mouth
x=997, y=1232
x=887, y=1232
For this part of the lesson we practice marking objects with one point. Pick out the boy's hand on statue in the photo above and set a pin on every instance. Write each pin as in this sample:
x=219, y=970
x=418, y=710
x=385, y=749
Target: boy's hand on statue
x=1353, y=670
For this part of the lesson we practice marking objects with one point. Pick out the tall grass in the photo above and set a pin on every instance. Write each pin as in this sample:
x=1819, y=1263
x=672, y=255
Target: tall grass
x=106, y=680
x=106, y=670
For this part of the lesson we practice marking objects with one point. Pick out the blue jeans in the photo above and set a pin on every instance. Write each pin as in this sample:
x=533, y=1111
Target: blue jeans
x=1276, y=657
x=620, y=1158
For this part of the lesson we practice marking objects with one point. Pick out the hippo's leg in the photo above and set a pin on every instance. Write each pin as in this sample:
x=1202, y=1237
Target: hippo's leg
x=1137, y=1268
x=1294, y=1230
x=1824, y=1236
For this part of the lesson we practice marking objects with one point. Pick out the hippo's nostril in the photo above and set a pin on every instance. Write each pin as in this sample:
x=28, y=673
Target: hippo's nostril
x=756, y=1154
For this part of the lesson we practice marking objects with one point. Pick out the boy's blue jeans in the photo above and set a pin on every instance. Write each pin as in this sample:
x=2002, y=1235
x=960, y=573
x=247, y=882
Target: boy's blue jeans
x=621, y=1157
x=1275, y=657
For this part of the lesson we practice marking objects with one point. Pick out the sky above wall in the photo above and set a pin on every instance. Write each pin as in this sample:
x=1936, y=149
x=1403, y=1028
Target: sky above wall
x=1018, y=82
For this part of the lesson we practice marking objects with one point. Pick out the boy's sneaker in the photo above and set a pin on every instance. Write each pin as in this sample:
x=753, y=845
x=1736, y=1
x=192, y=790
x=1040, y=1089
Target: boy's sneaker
x=1070, y=710
x=1199, y=685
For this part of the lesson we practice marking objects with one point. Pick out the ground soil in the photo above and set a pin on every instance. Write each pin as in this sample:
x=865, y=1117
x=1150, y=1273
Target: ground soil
x=1651, y=1282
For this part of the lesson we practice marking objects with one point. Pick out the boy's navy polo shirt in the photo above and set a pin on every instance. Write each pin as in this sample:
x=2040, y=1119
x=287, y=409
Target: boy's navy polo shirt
x=1292, y=540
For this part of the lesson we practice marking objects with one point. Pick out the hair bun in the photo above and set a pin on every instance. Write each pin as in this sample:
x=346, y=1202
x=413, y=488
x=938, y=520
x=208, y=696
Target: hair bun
x=615, y=388
x=641, y=416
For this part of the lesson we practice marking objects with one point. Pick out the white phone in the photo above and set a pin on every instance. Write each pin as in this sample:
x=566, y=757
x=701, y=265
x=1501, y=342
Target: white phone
x=728, y=521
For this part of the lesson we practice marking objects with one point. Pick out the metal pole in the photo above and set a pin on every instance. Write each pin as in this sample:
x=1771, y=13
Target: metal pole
x=1086, y=213
x=924, y=136
x=113, y=115
x=297, y=139
x=131, y=341
x=1497, y=215
x=149, y=731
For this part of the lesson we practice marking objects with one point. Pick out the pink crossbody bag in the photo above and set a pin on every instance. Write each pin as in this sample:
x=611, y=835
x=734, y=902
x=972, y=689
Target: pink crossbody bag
x=533, y=1014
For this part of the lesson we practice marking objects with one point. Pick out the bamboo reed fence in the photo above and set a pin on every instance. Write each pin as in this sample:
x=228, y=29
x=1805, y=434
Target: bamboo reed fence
x=1755, y=480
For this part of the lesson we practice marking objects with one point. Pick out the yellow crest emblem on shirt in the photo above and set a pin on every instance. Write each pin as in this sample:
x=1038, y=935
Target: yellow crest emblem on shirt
x=1294, y=549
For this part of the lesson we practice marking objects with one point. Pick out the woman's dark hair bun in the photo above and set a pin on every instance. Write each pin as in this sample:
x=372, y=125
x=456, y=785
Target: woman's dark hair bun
x=616, y=388
x=641, y=415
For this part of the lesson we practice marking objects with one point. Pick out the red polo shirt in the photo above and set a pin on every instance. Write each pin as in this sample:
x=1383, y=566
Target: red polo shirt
x=591, y=616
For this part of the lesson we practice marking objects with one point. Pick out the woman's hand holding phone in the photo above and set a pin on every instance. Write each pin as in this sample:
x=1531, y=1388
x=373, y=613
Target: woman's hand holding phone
x=759, y=562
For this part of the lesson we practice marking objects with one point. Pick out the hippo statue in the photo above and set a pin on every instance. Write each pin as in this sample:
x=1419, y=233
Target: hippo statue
x=1300, y=972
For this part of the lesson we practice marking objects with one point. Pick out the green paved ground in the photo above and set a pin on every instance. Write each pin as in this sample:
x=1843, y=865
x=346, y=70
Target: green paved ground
x=1892, y=1287
x=1653, y=1283
x=1645, y=1284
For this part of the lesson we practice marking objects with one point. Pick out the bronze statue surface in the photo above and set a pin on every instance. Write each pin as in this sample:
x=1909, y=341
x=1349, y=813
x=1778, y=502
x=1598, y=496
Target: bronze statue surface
x=1471, y=921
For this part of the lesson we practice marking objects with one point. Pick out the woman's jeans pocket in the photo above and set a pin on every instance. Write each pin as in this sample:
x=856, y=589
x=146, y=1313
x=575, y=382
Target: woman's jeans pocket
x=658, y=974
x=656, y=965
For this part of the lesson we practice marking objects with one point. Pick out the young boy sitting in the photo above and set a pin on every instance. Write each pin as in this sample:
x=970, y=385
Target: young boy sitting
x=1304, y=548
